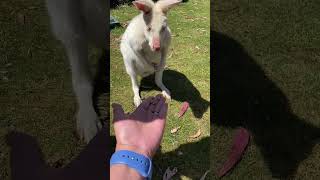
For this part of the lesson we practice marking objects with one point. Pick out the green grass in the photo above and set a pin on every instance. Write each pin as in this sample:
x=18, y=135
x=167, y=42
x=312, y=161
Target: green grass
x=267, y=52
x=266, y=56
x=36, y=94
x=187, y=77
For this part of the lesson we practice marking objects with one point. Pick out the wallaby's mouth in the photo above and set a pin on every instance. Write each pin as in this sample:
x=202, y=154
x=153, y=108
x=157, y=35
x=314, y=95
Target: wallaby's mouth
x=156, y=49
x=155, y=44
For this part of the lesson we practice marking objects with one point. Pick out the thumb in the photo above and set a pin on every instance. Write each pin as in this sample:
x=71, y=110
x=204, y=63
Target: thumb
x=118, y=113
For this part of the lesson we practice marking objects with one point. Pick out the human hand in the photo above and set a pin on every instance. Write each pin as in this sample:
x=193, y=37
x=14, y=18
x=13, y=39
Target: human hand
x=142, y=130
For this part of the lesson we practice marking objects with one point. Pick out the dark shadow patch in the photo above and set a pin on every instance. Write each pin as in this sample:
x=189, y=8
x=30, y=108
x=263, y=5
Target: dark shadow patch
x=245, y=96
x=181, y=89
x=101, y=100
x=26, y=159
x=93, y=162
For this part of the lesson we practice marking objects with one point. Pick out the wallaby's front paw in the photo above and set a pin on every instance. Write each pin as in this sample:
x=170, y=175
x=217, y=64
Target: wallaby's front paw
x=166, y=94
x=88, y=124
x=137, y=101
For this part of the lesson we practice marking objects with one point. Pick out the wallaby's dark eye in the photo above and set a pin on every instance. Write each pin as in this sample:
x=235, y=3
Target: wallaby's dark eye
x=149, y=28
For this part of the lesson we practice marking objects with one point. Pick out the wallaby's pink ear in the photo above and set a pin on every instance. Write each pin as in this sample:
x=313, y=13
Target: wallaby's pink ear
x=165, y=5
x=143, y=6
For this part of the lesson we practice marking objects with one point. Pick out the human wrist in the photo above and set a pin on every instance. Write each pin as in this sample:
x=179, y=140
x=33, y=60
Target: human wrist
x=136, y=149
x=134, y=161
x=122, y=171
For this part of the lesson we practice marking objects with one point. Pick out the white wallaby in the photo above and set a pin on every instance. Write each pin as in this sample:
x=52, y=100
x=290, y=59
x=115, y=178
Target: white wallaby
x=75, y=23
x=145, y=43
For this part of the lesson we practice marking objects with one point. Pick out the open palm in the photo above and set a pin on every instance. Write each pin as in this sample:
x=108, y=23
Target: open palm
x=142, y=130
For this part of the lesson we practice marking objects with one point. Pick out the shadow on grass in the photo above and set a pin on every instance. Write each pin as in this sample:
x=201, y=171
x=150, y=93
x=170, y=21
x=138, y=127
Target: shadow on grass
x=101, y=91
x=245, y=96
x=26, y=159
x=181, y=89
x=193, y=163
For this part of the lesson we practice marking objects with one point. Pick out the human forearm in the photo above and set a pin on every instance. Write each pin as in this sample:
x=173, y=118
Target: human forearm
x=123, y=172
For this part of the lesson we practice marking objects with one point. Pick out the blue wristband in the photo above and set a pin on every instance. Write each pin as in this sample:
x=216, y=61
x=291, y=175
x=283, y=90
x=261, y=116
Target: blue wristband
x=142, y=164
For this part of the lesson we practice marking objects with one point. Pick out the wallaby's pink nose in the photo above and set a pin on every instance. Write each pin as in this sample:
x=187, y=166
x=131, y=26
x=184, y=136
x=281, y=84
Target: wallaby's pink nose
x=156, y=44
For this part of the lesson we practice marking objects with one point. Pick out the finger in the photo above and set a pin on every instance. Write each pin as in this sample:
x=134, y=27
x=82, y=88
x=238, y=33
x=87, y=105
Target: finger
x=160, y=104
x=151, y=109
x=146, y=103
x=159, y=96
x=155, y=100
x=118, y=113
x=154, y=104
x=163, y=111
x=160, y=121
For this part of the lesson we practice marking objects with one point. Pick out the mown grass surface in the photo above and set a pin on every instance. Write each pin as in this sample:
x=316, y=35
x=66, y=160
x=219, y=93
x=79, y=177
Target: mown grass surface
x=188, y=78
x=36, y=95
x=266, y=56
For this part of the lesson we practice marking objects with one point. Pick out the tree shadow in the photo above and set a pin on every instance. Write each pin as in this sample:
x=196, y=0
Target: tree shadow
x=245, y=96
x=26, y=159
x=181, y=89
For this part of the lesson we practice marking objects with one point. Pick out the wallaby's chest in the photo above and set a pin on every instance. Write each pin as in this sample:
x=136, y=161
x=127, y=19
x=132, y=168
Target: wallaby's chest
x=150, y=61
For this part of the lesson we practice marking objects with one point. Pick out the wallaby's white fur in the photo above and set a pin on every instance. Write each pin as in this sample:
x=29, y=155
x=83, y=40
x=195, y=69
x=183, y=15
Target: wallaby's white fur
x=140, y=58
x=76, y=23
